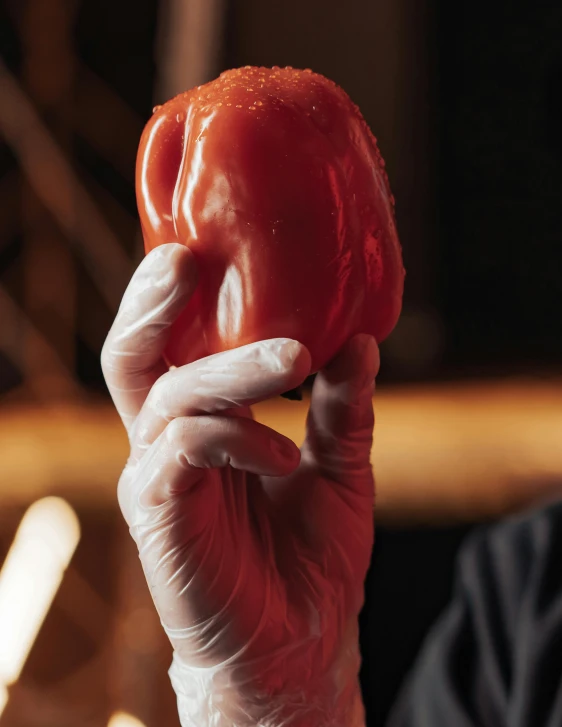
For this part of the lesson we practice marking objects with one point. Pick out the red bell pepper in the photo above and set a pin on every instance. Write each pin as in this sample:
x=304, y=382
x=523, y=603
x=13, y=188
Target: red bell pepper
x=274, y=181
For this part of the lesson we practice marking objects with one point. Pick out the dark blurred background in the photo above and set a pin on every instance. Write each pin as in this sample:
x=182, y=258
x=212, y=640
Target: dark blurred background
x=466, y=102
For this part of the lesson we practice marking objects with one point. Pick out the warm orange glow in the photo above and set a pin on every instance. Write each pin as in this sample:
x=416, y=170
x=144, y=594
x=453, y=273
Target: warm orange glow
x=33, y=570
x=426, y=437
x=121, y=719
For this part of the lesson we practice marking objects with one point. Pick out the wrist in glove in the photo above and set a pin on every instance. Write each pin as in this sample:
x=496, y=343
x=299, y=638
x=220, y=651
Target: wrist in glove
x=230, y=697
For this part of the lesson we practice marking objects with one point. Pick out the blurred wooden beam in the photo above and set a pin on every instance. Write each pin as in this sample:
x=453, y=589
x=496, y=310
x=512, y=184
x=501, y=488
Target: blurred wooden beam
x=49, y=278
x=58, y=379
x=442, y=454
x=189, y=42
x=9, y=206
x=55, y=183
x=107, y=122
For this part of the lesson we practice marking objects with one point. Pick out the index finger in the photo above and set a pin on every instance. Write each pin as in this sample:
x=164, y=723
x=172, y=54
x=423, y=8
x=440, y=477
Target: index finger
x=132, y=356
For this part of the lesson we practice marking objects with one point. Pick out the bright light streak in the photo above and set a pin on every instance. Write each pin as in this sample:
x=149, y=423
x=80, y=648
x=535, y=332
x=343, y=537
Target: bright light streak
x=3, y=698
x=120, y=719
x=33, y=570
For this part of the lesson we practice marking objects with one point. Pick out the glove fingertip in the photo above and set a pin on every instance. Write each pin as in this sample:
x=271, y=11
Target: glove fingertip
x=287, y=454
x=183, y=262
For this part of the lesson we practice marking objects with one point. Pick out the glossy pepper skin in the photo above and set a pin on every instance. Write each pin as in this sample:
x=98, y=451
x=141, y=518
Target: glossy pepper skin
x=274, y=181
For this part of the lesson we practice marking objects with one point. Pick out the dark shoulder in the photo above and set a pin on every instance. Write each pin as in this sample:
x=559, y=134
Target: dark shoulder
x=519, y=558
x=495, y=656
x=533, y=529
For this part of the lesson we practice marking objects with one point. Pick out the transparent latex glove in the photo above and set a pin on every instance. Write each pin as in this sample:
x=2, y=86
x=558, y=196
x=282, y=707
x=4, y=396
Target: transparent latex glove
x=255, y=553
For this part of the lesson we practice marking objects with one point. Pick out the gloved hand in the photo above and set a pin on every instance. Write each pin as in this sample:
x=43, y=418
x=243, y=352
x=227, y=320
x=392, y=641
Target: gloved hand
x=255, y=553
